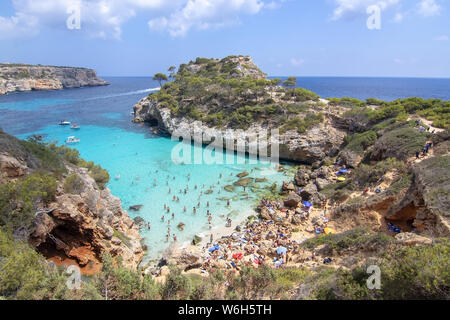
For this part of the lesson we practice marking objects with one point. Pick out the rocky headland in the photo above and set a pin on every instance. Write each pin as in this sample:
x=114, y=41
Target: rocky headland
x=22, y=77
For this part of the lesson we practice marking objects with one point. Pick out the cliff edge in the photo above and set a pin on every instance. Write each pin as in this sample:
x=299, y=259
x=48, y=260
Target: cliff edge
x=22, y=77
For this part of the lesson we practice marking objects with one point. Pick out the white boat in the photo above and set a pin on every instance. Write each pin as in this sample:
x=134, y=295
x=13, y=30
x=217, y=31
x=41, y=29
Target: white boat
x=75, y=127
x=64, y=123
x=72, y=139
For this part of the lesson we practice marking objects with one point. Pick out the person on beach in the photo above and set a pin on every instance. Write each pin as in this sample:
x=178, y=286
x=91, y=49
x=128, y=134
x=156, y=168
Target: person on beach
x=174, y=238
x=211, y=238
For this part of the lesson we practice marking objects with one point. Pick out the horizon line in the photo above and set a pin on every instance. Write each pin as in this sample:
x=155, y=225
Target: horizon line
x=305, y=76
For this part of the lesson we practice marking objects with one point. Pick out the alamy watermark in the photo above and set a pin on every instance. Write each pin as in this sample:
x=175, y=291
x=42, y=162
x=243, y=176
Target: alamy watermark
x=260, y=146
x=374, y=281
x=374, y=20
x=74, y=277
x=73, y=22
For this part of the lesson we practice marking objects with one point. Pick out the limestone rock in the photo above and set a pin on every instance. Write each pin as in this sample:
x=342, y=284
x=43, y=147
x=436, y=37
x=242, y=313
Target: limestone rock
x=412, y=239
x=292, y=200
x=20, y=78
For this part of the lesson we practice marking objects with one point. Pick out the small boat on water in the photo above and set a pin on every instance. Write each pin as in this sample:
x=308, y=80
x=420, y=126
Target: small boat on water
x=75, y=127
x=64, y=123
x=71, y=140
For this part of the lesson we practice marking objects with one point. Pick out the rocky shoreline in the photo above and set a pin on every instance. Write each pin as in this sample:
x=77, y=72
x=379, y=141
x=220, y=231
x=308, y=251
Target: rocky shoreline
x=22, y=78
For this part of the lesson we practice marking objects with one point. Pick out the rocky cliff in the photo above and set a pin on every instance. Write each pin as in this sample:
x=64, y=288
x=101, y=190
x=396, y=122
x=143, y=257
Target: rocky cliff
x=66, y=225
x=21, y=77
x=220, y=97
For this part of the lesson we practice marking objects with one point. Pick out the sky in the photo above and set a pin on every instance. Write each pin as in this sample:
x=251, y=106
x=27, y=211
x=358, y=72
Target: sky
x=370, y=38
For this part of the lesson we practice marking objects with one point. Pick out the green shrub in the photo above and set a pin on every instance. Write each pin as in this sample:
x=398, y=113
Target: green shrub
x=73, y=184
x=346, y=101
x=20, y=200
x=361, y=141
x=176, y=286
x=358, y=237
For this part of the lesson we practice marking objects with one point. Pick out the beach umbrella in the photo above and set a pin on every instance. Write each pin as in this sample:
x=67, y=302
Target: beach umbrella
x=307, y=204
x=215, y=248
x=237, y=256
x=281, y=250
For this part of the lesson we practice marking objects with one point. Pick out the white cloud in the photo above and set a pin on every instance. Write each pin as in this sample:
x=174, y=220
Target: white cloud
x=428, y=8
x=297, y=62
x=347, y=8
x=205, y=14
x=441, y=38
x=406, y=61
x=398, y=17
x=105, y=18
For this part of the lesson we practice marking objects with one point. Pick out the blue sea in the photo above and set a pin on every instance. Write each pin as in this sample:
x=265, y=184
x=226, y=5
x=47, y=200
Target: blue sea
x=143, y=160
x=387, y=89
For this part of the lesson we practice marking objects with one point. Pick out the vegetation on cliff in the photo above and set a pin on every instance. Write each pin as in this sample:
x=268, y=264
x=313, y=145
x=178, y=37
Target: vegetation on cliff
x=231, y=92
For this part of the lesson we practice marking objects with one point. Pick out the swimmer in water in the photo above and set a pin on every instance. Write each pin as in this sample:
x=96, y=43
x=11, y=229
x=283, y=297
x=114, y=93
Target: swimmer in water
x=184, y=209
x=195, y=211
x=162, y=218
x=207, y=204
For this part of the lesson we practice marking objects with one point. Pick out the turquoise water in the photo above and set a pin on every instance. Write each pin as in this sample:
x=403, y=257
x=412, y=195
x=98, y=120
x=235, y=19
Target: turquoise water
x=142, y=159
x=147, y=173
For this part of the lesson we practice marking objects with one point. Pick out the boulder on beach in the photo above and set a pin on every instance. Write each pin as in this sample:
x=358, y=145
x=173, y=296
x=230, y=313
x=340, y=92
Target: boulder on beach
x=288, y=186
x=196, y=240
x=180, y=226
x=136, y=207
x=292, y=200
x=261, y=180
x=138, y=220
x=243, y=182
x=209, y=191
x=302, y=177
x=242, y=174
